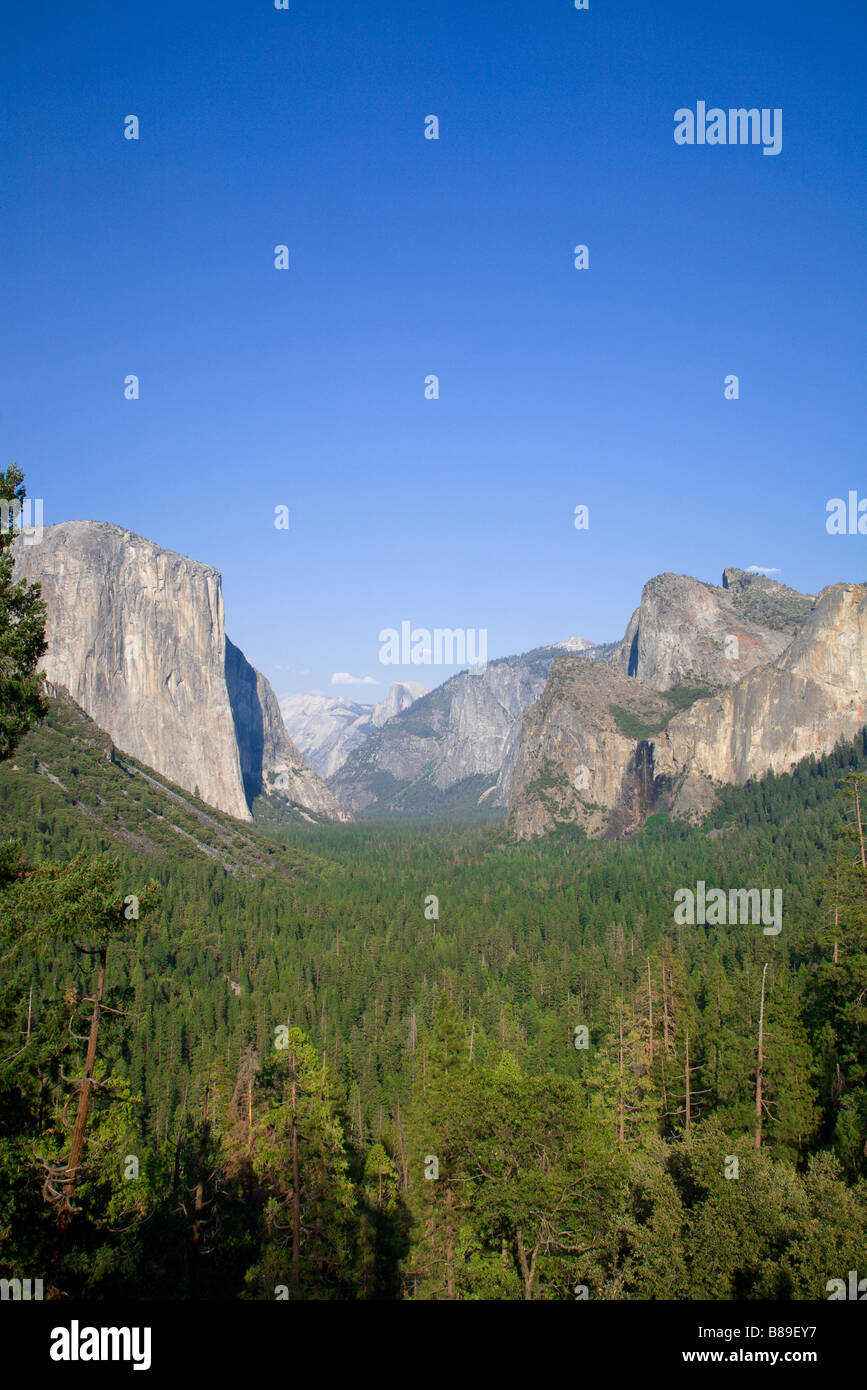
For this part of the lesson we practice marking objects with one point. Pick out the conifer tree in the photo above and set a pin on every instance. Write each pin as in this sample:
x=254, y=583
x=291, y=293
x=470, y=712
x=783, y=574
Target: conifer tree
x=619, y=1079
x=82, y=904
x=299, y=1156
x=22, y=627
x=438, y=1153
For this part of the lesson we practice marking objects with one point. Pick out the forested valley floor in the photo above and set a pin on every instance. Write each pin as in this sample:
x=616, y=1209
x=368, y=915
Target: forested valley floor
x=375, y=1062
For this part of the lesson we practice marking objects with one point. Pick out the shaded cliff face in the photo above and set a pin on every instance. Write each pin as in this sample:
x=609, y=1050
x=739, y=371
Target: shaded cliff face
x=271, y=765
x=670, y=756
x=689, y=632
x=136, y=634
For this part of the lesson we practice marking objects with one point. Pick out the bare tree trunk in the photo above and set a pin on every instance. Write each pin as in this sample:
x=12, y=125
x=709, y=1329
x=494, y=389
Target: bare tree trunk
x=198, y=1207
x=688, y=1097
x=621, y=1128
x=80, y=1127
x=250, y=1115
x=650, y=1011
x=528, y=1268
x=860, y=826
x=758, y=1138
x=296, y=1180
x=199, y=1200
x=401, y=1149
x=450, y=1244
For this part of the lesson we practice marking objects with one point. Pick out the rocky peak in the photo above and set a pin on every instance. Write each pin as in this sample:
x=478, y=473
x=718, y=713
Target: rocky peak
x=467, y=728
x=575, y=644
x=400, y=696
x=668, y=746
x=738, y=580
x=688, y=632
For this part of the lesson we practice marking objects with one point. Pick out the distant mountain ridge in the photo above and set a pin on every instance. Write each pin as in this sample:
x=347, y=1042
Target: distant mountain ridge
x=710, y=684
x=453, y=748
x=327, y=727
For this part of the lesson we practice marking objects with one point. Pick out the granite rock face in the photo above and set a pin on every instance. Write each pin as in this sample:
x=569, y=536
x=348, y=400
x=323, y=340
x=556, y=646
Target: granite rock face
x=136, y=635
x=401, y=694
x=325, y=727
x=579, y=761
x=686, y=632
x=812, y=696
x=793, y=684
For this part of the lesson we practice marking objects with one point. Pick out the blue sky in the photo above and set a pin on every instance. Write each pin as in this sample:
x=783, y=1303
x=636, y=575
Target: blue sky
x=408, y=256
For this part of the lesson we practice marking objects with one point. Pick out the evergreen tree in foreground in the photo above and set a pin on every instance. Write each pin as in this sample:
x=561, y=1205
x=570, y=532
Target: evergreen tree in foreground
x=22, y=629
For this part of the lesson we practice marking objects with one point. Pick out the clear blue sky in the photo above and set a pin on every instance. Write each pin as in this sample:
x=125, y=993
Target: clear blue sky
x=408, y=256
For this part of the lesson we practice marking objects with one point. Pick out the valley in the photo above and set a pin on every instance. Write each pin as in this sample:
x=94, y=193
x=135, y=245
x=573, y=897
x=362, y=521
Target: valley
x=392, y=931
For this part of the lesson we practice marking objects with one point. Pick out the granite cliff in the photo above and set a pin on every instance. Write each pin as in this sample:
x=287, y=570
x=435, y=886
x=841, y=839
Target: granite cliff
x=580, y=760
x=709, y=685
x=136, y=635
x=810, y=697
x=687, y=631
